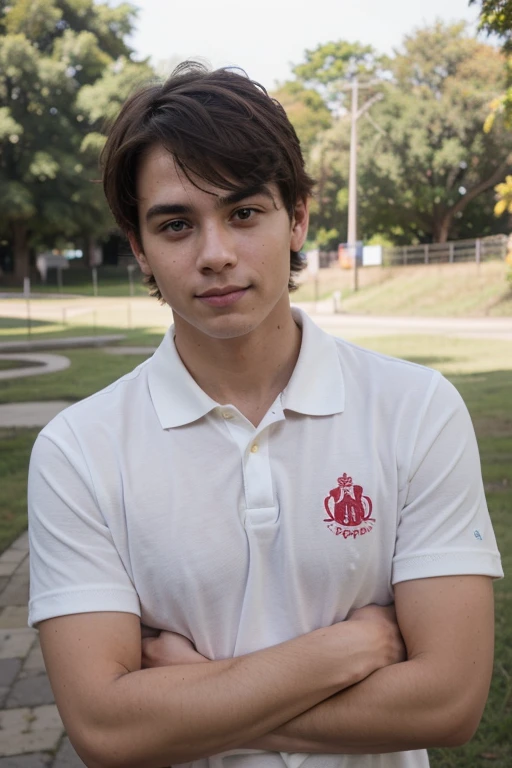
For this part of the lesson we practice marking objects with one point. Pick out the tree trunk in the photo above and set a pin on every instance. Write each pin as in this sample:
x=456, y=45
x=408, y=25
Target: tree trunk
x=442, y=228
x=20, y=249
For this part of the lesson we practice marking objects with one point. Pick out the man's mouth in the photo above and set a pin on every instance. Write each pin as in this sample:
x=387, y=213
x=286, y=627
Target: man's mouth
x=222, y=297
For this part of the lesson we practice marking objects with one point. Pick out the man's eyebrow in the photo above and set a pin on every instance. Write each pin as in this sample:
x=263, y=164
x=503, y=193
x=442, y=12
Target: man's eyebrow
x=163, y=209
x=243, y=194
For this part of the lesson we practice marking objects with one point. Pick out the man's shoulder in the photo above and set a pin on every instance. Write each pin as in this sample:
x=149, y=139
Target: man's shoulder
x=104, y=407
x=403, y=390
x=391, y=370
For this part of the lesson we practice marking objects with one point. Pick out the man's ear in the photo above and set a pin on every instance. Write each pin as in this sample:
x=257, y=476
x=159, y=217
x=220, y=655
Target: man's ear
x=300, y=224
x=137, y=251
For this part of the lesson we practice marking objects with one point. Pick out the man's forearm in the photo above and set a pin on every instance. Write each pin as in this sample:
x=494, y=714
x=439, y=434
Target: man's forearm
x=181, y=713
x=435, y=698
x=402, y=707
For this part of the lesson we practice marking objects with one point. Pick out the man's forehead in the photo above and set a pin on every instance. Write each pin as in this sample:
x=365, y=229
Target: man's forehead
x=160, y=175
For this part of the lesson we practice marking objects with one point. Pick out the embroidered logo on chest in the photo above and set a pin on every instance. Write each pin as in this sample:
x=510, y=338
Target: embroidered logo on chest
x=349, y=511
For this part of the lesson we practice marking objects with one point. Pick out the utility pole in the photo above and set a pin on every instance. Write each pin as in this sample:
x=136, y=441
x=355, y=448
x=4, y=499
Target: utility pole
x=352, y=179
x=352, y=182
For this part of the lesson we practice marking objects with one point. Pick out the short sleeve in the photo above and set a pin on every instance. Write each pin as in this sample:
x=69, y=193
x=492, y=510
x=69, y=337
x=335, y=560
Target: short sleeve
x=74, y=564
x=444, y=527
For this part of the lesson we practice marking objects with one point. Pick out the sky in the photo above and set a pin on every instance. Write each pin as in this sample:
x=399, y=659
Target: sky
x=266, y=37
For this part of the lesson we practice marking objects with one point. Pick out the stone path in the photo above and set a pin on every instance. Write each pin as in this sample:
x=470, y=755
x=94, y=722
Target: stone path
x=31, y=732
x=30, y=415
x=41, y=364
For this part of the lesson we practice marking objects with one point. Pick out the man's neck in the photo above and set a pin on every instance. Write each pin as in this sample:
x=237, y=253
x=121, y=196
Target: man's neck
x=249, y=371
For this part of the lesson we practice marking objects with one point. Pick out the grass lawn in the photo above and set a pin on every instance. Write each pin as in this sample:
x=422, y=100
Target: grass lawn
x=14, y=329
x=83, y=286
x=449, y=290
x=9, y=365
x=480, y=369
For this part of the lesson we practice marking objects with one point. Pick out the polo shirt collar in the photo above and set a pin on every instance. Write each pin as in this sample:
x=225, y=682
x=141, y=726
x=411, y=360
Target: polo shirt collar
x=316, y=387
x=176, y=396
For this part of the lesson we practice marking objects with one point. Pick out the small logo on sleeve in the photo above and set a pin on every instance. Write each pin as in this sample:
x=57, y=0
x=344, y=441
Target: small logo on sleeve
x=349, y=511
x=478, y=535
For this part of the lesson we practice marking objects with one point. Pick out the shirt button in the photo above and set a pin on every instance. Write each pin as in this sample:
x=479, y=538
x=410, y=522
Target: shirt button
x=227, y=415
x=255, y=448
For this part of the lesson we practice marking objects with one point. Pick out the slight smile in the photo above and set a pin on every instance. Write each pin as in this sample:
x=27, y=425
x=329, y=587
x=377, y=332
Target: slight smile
x=222, y=297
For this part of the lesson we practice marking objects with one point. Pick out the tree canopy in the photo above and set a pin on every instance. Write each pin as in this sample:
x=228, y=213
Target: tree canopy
x=64, y=68
x=426, y=168
x=496, y=18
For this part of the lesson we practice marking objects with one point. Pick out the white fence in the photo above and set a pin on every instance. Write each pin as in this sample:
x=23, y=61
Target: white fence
x=481, y=249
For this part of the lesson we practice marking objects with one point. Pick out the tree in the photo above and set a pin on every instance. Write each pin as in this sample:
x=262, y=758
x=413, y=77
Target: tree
x=306, y=110
x=434, y=146
x=496, y=18
x=426, y=167
x=329, y=68
x=51, y=53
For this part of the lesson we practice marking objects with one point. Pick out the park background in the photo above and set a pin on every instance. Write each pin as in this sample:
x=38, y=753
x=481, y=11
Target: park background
x=430, y=140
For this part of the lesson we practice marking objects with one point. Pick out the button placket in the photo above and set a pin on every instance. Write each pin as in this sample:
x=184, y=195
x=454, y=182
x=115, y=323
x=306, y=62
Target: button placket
x=258, y=476
x=253, y=444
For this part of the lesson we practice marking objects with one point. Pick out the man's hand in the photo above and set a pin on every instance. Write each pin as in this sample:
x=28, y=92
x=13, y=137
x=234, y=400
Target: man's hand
x=165, y=649
x=168, y=649
x=384, y=618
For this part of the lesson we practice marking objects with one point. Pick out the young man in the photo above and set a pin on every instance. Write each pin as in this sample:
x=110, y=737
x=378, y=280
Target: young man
x=258, y=494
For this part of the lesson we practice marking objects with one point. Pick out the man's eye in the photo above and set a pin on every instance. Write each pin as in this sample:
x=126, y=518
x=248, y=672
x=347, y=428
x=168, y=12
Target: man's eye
x=245, y=213
x=176, y=226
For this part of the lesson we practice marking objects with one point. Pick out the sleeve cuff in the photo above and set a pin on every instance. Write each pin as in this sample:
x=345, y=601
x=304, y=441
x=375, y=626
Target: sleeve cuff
x=429, y=565
x=94, y=600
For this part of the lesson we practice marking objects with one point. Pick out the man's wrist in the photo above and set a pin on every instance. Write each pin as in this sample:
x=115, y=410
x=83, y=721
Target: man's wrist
x=348, y=652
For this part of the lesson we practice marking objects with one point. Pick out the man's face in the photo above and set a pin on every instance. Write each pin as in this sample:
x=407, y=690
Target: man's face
x=221, y=261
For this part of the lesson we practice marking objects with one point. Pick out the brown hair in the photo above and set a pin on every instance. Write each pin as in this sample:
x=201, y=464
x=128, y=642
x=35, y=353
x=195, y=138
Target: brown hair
x=220, y=126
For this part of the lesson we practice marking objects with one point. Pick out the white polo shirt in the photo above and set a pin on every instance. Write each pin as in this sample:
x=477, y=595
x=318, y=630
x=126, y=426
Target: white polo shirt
x=151, y=498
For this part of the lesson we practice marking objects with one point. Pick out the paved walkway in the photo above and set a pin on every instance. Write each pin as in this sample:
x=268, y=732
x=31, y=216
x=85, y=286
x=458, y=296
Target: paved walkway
x=351, y=326
x=31, y=731
x=38, y=364
x=30, y=415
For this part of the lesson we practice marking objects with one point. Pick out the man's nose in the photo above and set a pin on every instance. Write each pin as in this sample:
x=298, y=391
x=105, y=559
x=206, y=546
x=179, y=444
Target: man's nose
x=217, y=248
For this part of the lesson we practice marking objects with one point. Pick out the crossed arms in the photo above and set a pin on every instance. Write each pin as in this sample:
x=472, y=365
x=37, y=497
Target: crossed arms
x=348, y=688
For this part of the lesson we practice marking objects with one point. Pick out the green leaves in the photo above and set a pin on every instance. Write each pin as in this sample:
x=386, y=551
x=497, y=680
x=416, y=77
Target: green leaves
x=306, y=110
x=102, y=100
x=329, y=67
x=35, y=19
x=64, y=70
x=43, y=167
x=496, y=18
x=16, y=200
x=426, y=168
x=335, y=61
x=9, y=128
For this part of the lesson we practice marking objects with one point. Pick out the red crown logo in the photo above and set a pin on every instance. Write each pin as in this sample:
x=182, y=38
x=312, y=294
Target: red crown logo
x=349, y=511
x=345, y=481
